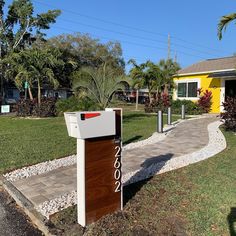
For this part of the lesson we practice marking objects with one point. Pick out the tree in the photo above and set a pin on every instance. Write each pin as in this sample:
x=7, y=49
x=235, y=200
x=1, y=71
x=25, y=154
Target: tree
x=143, y=76
x=100, y=84
x=155, y=77
x=34, y=66
x=19, y=28
x=80, y=50
x=167, y=68
x=224, y=22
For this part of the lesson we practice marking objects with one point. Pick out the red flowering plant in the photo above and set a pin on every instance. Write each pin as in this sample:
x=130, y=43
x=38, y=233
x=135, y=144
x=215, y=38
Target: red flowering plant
x=161, y=102
x=229, y=114
x=205, y=100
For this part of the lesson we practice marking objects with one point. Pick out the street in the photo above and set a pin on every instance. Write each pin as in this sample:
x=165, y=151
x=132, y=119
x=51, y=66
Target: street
x=12, y=220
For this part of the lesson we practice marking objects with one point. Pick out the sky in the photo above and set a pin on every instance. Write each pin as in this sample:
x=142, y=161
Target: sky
x=142, y=26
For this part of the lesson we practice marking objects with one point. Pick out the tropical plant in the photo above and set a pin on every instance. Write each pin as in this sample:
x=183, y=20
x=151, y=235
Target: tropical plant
x=100, y=84
x=167, y=68
x=34, y=66
x=224, y=22
x=155, y=77
x=143, y=76
x=205, y=100
x=19, y=28
x=229, y=114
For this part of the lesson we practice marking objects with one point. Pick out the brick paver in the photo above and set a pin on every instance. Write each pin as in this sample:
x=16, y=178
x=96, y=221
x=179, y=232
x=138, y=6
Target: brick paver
x=187, y=137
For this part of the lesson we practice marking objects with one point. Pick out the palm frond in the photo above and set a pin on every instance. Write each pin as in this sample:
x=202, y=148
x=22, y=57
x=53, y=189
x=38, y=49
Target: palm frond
x=224, y=22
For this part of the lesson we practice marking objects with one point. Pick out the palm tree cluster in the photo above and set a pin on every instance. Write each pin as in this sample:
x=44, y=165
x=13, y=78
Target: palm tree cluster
x=157, y=78
x=34, y=66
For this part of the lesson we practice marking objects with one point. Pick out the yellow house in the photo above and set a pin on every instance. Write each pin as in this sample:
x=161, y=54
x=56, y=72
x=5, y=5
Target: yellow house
x=216, y=75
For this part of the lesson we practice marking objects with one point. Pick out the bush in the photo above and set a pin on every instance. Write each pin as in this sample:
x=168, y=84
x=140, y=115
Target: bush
x=26, y=107
x=191, y=108
x=74, y=104
x=229, y=114
x=205, y=100
x=161, y=103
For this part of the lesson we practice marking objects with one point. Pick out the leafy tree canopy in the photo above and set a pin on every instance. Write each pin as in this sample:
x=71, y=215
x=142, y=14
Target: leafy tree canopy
x=19, y=26
x=86, y=51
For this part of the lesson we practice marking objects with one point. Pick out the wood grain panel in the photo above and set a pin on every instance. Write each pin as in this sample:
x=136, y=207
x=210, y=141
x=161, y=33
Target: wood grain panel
x=101, y=198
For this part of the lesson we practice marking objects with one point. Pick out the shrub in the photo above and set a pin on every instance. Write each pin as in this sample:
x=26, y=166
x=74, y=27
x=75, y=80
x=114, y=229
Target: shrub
x=160, y=103
x=229, y=114
x=191, y=108
x=205, y=100
x=47, y=108
x=74, y=104
x=26, y=107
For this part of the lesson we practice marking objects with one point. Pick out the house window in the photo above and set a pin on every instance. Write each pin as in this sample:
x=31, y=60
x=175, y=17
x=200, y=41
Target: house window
x=182, y=88
x=187, y=89
x=192, y=89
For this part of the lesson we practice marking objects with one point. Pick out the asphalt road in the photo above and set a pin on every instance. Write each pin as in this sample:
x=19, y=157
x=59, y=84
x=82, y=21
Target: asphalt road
x=13, y=222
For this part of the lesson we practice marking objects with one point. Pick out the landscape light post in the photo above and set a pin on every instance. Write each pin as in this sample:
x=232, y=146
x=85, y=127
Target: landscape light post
x=183, y=112
x=169, y=116
x=160, y=121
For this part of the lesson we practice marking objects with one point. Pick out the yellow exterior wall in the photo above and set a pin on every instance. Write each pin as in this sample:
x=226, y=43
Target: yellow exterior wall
x=211, y=84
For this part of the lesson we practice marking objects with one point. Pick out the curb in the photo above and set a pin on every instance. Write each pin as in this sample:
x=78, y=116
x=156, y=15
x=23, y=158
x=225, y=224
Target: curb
x=37, y=219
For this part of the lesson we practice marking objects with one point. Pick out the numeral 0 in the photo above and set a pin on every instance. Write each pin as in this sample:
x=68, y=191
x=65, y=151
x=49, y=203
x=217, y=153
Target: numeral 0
x=117, y=174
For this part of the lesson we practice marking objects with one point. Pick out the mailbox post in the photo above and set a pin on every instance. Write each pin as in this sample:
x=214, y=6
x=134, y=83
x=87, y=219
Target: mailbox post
x=99, y=188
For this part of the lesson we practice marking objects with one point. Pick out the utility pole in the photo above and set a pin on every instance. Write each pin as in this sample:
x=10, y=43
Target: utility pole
x=175, y=56
x=168, y=53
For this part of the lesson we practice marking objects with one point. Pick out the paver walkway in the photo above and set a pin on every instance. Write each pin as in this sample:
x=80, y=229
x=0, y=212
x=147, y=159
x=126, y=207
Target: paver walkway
x=187, y=137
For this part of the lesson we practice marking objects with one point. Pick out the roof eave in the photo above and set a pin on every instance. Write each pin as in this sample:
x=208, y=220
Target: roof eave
x=203, y=72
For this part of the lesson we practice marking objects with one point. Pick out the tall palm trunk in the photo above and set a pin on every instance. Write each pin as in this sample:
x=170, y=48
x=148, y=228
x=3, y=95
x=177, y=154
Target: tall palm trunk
x=39, y=93
x=137, y=96
x=30, y=93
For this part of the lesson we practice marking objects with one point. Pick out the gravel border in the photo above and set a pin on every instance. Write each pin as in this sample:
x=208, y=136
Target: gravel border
x=40, y=168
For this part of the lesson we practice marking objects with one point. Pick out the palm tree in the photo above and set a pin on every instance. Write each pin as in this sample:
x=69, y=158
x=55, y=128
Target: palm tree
x=34, y=66
x=143, y=76
x=100, y=84
x=167, y=68
x=224, y=21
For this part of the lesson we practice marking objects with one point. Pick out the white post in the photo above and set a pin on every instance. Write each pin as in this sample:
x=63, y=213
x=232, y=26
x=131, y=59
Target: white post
x=81, y=182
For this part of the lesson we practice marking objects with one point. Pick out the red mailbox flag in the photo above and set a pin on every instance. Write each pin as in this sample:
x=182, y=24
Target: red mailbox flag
x=89, y=115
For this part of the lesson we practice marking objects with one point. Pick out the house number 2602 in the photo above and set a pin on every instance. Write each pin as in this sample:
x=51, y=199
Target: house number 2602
x=117, y=173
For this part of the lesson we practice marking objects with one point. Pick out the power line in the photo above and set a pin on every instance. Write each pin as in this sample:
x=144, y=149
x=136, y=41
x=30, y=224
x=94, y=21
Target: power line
x=129, y=42
x=136, y=36
x=130, y=27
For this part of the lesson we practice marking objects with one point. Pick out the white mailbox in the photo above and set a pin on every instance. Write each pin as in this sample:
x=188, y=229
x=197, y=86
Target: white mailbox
x=83, y=125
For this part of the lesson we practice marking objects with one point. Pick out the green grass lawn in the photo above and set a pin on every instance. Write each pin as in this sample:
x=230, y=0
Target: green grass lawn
x=196, y=200
x=29, y=141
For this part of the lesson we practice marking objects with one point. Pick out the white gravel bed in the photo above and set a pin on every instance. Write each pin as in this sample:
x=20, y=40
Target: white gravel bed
x=48, y=208
x=216, y=144
x=40, y=168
